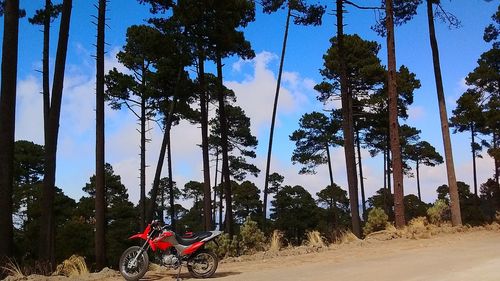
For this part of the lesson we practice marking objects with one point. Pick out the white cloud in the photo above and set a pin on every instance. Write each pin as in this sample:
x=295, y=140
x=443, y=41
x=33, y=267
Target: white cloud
x=416, y=113
x=256, y=93
x=29, y=110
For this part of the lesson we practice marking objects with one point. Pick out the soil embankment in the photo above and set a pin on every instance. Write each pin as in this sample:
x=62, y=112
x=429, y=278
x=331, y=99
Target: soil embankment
x=463, y=256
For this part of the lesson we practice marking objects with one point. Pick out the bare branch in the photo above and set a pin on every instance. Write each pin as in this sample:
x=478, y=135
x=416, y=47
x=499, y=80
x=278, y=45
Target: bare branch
x=362, y=7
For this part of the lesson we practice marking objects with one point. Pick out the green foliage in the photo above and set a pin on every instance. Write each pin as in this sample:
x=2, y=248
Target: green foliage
x=316, y=134
x=121, y=217
x=438, y=212
x=304, y=14
x=240, y=139
x=334, y=211
x=164, y=193
x=377, y=220
x=377, y=135
x=414, y=207
x=468, y=115
x=362, y=63
x=225, y=246
x=275, y=181
x=383, y=199
x=469, y=203
x=193, y=219
x=492, y=31
x=252, y=238
x=490, y=197
x=246, y=201
x=423, y=152
x=52, y=11
x=294, y=211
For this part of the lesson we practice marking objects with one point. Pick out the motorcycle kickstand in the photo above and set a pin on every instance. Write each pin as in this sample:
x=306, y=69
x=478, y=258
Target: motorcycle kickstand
x=179, y=273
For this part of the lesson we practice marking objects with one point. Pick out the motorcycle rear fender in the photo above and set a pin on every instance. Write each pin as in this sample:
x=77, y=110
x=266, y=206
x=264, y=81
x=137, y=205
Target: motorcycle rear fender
x=193, y=248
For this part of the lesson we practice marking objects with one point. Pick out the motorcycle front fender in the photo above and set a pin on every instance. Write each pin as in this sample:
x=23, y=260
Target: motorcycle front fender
x=139, y=236
x=144, y=236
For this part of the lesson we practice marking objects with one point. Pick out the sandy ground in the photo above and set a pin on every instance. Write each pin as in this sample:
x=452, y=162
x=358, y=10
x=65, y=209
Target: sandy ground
x=467, y=256
x=473, y=256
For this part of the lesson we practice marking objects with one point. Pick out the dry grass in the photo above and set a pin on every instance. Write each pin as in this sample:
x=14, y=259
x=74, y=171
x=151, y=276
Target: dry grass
x=11, y=268
x=314, y=239
x=276, y=241
x=493, y=226
x=346, y=237
x=74, y=266
x=417, y=229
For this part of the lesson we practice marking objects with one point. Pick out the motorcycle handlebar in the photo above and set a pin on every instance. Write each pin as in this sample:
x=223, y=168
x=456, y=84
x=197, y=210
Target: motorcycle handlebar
x=160, y=225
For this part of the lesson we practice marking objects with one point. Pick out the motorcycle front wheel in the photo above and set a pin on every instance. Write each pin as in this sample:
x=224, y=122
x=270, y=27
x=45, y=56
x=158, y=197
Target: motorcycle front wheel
x=133, y=270
x=203, y=264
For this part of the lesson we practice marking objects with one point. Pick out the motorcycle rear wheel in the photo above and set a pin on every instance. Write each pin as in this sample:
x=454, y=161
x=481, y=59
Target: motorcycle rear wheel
x=133, y=272
x=203, y=264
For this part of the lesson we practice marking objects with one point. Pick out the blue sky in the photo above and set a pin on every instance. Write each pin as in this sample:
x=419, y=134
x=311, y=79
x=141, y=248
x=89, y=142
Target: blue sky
x=254, y=83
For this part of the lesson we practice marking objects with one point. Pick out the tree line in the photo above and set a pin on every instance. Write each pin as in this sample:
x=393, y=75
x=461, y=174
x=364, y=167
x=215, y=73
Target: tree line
x=159, y=86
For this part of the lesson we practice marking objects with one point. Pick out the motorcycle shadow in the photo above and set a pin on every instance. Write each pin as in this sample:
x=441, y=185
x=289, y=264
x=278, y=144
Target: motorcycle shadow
x=171, y=275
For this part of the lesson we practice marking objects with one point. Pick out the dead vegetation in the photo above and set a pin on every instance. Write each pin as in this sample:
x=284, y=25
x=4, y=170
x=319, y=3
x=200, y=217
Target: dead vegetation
x=276, y=242
x=11, y=268
x=74, y=266
x=420, y=228
x=314, y=239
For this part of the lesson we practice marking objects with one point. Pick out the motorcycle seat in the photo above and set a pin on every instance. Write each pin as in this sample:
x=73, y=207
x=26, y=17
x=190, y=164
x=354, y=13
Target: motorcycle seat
x=193, y=239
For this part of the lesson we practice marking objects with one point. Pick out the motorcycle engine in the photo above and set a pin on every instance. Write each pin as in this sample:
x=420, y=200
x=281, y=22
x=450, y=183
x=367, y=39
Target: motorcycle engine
x=170, y=260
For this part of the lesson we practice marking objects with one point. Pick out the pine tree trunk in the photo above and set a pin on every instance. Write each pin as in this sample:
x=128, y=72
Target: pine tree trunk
x=330, y=170
x=456, y=218
x=473, y=150
x=273, y=120
x=100, y=189
x=224, y=145
x=361, y=179
x=388, y=162
x=46, y=66
x=347, y=125
x=47, y=224
x=170, y=181
x=7, y=124
x=221, y=200
x=165, y=143
x=397, y=169
x=385, y=169
x=418, y=180
x=214, y=203
x=204, y=143
x=142, y=207
x=496, y=158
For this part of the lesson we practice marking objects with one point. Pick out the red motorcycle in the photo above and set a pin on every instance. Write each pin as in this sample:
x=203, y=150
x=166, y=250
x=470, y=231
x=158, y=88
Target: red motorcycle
x=174, y=252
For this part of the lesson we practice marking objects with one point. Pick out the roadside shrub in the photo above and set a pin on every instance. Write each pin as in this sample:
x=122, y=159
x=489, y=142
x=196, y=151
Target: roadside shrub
x=227, y=247
x=252, y=238
x=377, y=220
x=437, y=212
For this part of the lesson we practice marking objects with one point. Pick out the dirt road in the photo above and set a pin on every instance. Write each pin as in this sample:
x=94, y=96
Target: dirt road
x=473, y=256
